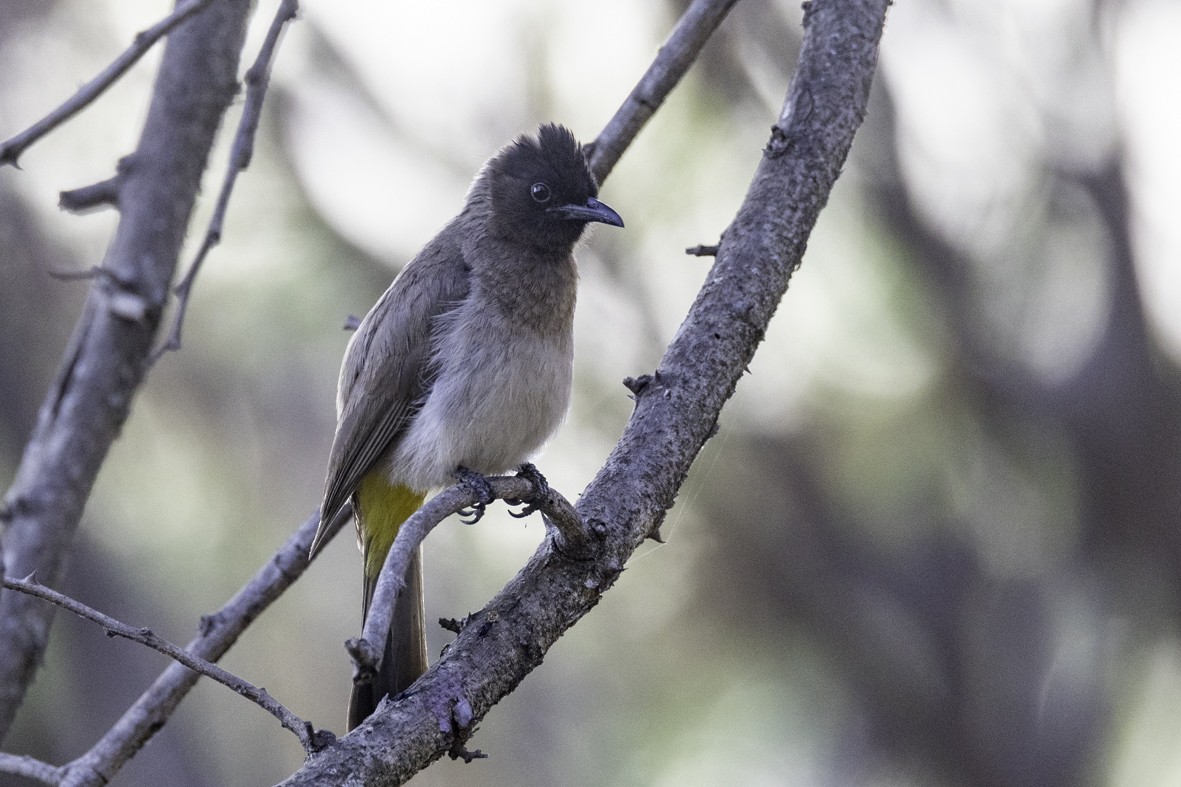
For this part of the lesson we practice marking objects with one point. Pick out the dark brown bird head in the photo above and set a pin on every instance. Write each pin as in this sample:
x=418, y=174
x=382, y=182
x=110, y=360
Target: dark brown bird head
x=542, y=193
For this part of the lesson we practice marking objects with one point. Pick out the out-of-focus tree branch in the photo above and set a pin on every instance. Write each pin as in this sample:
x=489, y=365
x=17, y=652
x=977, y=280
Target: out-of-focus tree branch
x=676, y=412
x=30, y=768
x=107, y=356
x=257, y=80
x=11, y=150
x=693, y=29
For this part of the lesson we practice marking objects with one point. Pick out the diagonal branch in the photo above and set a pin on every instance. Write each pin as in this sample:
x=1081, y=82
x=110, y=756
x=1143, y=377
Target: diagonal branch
x=219, y=632
x=11, y=150
x=145, y=636
x=257, y=80
x=107, y=357
x=693, y=29
x=676, y=412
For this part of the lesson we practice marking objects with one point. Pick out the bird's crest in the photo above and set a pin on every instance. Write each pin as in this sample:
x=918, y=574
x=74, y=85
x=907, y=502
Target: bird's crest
x=553, y=155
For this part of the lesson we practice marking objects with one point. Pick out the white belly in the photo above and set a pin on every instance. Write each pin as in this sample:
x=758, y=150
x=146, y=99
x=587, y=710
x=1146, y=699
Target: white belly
x=490, y=408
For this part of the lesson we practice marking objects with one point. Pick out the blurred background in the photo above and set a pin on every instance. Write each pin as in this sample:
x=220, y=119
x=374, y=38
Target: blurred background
x=936, y=541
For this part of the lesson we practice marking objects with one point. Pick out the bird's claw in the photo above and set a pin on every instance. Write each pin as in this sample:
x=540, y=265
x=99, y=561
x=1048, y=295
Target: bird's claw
x=524, y=512
x=470, y=516
x=478, y=485
x=541, y=490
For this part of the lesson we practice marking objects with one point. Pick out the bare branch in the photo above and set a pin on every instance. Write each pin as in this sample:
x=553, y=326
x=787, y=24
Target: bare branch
x=257, y=80
x=93, y=272
x=693, y=29
x=676, y=412
x=97, y=195
x=30, y=768
x=628, y=499
x=219, y=632
x=559, y=515
x=11, y=150
x=104, y=364
x=145, y=636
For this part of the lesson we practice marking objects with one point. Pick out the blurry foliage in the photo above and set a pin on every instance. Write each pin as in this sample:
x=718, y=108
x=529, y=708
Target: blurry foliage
x=936, y=540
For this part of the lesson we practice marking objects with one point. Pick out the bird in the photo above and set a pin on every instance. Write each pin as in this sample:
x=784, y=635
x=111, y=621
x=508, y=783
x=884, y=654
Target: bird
x=462, y=369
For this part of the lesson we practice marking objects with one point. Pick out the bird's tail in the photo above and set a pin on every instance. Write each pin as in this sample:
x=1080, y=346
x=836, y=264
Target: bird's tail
x=381, y=510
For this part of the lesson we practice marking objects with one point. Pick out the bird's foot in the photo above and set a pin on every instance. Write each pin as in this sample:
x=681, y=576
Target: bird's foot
x=541, y=490
x=478, y=485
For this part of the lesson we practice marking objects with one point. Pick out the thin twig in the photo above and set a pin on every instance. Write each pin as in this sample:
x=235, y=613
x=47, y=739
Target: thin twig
x=11, y=150
x=86, y=274
x=679, y=52
x=560, y=517
x=30, y=768
x=219, y=631
x=257, y=81
x=145, y=636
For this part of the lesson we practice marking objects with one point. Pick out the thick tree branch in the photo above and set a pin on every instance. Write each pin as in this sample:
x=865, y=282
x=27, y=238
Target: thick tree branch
x=675, y=414
x=106, y=359
x=11, y=150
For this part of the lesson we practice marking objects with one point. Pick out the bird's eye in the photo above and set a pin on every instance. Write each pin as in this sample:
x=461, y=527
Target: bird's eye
x=540, y=192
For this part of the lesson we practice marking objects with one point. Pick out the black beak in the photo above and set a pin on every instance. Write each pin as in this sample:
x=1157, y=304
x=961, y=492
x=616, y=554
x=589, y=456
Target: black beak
x=593, y=210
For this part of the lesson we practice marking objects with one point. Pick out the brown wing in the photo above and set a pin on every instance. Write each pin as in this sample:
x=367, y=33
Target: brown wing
x=386, y=374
